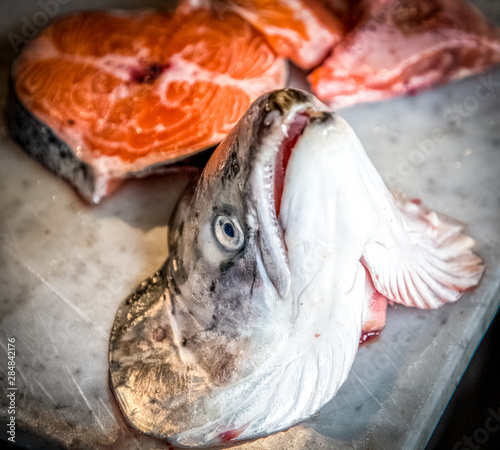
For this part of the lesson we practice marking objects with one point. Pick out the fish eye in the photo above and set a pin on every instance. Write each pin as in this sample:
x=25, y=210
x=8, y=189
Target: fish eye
x=228, y=233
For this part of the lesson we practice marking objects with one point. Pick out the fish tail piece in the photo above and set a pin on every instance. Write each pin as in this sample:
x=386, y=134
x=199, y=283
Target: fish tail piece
x=428, y=262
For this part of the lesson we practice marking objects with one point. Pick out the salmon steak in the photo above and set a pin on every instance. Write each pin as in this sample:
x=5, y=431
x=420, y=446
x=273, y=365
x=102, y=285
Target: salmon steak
x=303, y=31
x=403, y=47
x=101, y=97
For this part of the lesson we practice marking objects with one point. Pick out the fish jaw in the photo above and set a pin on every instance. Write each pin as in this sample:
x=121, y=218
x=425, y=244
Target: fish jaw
x=325, y=216
x=286, y=114
x=326, y=221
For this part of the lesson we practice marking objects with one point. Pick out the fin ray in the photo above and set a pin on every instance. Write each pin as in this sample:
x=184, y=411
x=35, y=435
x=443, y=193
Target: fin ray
x=434, y=255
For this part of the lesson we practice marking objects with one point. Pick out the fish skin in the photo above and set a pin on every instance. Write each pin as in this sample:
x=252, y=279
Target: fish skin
x=40, y=142
x=245, y=334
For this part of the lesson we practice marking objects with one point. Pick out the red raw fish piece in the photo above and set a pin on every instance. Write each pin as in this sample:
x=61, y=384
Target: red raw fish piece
x=405, y=46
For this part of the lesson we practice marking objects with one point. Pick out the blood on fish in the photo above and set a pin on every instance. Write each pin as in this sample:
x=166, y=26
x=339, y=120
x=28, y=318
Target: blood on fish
x=231, y=435
x=149, y=74
x=369, y=337
x=283, y=156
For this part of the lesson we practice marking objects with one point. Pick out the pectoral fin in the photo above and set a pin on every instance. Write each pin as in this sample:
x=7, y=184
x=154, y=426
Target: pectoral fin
x=419, y=258
x=415, y=256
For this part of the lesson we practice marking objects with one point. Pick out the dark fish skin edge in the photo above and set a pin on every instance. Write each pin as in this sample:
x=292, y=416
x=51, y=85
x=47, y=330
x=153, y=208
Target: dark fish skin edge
x=41, y=143
x=147, y=293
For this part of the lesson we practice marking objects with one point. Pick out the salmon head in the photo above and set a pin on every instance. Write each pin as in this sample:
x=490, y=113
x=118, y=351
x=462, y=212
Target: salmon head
x=224, y=345
x=253, y=322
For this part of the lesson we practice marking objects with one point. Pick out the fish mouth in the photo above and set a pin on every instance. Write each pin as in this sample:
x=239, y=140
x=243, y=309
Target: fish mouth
x=269, y=184
x=294, y=131
x=288, y=113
